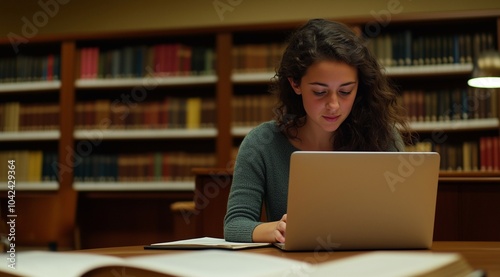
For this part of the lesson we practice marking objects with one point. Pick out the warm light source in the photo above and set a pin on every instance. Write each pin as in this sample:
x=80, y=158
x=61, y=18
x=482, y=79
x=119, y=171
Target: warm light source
x=486, y=73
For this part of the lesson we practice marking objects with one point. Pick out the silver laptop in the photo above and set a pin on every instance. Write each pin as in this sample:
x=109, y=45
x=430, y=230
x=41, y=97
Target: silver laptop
x=361, y=200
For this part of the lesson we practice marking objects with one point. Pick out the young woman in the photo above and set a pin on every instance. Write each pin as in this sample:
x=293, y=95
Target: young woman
x=332, y=96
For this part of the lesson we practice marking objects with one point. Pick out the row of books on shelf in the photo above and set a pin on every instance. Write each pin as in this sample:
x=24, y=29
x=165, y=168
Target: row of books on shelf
x=250, y=110
x=406, y=48
x=37, y=166
x=23, y=68
x=452, y=104
x=30, y=166
x=177, y=59
x=171, y=112
x=481, y=155
x=257, y=57
x=247, y=110
x=148, y=167
x=166, y=59
x=17, y=116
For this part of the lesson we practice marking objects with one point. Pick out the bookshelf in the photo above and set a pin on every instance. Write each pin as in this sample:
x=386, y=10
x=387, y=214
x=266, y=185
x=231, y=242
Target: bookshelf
x=100, y=74
x=140, y=95
x=29, y=134
x=428, y=59
x=31, y=86
x=147, y=123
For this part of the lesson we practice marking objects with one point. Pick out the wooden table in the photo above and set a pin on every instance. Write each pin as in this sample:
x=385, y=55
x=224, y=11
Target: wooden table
x=480, y=255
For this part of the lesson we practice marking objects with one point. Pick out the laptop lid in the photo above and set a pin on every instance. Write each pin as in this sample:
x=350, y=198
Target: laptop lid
x=361, y=200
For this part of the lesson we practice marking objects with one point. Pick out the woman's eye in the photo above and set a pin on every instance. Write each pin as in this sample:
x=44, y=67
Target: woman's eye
x=319, y=92
x=345, y=92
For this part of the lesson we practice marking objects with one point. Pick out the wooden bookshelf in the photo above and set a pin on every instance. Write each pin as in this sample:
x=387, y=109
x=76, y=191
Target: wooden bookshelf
x=31, y=86
x=30, y=135
x=35, y=186
x=133, y=82
x=134, y=186
x=223, y=85
x=149, y=134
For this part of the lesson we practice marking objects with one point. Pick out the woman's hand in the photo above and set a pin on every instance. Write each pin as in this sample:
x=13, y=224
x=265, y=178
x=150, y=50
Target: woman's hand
x=279, y=233
x=270, y=231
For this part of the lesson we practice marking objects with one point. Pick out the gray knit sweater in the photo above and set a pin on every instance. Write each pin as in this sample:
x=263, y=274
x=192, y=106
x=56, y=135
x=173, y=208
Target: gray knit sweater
x=260, y=174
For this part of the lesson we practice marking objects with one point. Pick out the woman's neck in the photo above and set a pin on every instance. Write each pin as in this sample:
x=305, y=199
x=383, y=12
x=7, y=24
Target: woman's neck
x=312, y=139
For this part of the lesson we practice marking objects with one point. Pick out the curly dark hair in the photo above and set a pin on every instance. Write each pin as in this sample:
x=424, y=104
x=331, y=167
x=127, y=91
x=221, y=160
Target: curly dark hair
x=376, y=112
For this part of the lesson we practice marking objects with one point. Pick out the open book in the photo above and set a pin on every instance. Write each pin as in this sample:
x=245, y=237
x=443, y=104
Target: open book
x=211, y=263
x=204, y=243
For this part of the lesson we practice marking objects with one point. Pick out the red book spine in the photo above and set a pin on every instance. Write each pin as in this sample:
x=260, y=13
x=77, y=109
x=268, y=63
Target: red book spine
x=489, y=153
x=88, y=61
x=83, y=58
x=496, y=157
x=164, y=59
x=169, y=59
x=50, y=67
x=176, y=57
x=157, y=58
x=94, y=63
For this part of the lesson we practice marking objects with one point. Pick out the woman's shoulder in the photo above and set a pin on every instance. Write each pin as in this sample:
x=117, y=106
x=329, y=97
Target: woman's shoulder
x=265, y=132
x=265, y=127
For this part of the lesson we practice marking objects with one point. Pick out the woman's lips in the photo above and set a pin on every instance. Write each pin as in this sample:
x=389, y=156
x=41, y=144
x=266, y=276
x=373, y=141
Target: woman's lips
x=331, y=118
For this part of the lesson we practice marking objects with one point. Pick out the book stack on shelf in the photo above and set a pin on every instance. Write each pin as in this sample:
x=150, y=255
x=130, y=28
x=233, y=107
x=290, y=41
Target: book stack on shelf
x=489, y=153
x=18, y=116
x=468, y=156
x=172, y=59
x=249, y=110
x=450, y=104
x=29, y=68
x=33, y=167
x=252, y=58
x=169, y=113
x=166, y=92
x=405, y=48
x=144, y=167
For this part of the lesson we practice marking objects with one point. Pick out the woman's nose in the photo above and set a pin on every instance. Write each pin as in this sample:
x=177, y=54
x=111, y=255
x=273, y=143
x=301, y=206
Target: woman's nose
x=333, y=102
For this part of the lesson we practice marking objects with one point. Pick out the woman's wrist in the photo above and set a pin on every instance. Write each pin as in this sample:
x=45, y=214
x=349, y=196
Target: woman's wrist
x=265, y=232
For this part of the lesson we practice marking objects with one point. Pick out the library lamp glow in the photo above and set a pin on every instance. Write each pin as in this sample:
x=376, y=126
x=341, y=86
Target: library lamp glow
x=486, y=73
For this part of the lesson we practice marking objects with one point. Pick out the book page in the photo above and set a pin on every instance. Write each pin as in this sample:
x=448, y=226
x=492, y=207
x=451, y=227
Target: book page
x=221, y=263
x=55, y=264
x=395, y=264
x=206, y=263
x=205, y=242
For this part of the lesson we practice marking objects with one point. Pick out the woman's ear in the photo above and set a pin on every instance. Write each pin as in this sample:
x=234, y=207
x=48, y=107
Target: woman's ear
x=295, y=86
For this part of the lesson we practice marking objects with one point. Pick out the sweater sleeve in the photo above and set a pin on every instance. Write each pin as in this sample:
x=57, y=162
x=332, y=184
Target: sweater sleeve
x=247, y=190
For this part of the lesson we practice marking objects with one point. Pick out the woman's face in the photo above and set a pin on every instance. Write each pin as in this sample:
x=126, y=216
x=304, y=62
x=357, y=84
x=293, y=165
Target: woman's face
x=328, y=91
